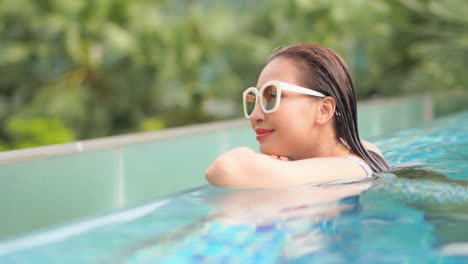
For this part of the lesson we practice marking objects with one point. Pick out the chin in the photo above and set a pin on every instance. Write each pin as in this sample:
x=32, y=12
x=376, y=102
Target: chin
x=272, y=150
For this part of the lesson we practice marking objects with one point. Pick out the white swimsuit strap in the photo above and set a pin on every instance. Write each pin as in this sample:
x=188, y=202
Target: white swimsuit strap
x=363, y=165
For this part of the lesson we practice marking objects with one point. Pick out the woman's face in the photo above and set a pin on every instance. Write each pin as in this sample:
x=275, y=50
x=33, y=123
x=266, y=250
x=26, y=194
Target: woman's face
x=290, y=130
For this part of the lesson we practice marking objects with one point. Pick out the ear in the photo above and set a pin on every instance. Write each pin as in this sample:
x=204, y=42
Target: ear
x=326, y=109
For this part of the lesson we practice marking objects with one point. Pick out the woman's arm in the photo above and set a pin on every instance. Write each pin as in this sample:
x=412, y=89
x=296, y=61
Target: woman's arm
x=244, y=168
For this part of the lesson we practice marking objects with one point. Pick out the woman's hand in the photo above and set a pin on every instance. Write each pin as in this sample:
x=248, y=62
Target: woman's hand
x=280, y=158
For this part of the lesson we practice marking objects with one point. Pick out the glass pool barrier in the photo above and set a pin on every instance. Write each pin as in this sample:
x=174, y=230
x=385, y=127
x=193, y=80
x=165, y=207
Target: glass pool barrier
x=415, y=214
x=46, y=186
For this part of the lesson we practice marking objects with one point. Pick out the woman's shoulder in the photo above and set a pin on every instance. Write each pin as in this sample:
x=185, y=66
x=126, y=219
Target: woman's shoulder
x=372, y=147
x=359, y=161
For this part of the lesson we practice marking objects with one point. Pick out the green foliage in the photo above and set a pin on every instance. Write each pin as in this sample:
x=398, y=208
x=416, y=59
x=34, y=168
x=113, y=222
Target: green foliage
x=37, y=132
x=152, y=124
x=105, y=67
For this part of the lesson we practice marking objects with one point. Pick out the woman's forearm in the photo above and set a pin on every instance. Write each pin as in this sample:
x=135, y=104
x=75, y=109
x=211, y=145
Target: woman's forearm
x=244, y=168
x=225, y=170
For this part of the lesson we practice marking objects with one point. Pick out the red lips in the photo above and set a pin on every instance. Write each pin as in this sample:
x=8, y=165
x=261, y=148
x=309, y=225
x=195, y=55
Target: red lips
x=263, y=133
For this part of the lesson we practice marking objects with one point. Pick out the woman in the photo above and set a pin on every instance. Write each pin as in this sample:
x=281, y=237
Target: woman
x=303, y=111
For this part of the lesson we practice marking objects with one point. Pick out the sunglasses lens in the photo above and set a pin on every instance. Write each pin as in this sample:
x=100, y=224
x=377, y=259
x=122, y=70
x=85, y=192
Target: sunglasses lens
x=249, y=102
x=269, y=98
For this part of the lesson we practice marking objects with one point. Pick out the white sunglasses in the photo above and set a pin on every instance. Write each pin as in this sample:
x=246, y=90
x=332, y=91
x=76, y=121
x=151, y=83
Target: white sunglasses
x=270, y=95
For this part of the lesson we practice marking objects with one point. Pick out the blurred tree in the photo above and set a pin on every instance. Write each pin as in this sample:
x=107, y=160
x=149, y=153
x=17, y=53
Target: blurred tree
x=105, y=67
x=36, y=132
x=152, y=124
x=440, y=45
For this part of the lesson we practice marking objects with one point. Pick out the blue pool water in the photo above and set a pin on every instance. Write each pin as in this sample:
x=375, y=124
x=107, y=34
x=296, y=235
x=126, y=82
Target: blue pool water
x=416, y=214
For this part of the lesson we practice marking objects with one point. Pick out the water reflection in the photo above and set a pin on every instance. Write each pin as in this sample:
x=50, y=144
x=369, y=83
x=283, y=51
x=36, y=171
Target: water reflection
x=262, y=206
x=444, y=202
x=265, y=226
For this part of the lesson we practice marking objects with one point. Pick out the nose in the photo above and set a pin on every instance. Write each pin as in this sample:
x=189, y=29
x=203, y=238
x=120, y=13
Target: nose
x=257, y=116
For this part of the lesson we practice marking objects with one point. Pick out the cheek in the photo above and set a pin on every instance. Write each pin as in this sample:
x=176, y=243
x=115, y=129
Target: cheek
x=297, y=132
x=294, y=127
x=299, y=124
x=299, y=118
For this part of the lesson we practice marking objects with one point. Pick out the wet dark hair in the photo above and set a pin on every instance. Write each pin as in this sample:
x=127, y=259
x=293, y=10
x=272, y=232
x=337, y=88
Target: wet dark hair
x=323, y=70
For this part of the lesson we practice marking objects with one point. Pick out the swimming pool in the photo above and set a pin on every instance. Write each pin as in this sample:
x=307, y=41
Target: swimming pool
x=419, y=216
